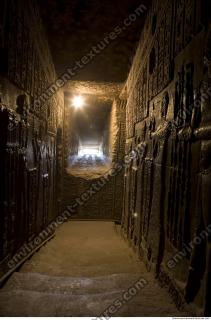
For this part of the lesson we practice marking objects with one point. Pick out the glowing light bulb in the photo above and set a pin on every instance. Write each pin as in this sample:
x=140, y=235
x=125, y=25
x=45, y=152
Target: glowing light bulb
x=78, y=102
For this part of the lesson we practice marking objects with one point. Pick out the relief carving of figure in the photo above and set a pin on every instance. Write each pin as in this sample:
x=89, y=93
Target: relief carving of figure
x=164, y=128
x=200, y=264
x=185, y=115
x=157, y=203
x=127, y=182
x=147, y=178
x=22, y=106
x=137, y=174
x=203, y=251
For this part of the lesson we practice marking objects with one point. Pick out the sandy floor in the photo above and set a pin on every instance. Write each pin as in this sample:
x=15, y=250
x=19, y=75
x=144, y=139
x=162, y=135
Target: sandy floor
x=84, y=249
x=81, y=272
x=88, y=167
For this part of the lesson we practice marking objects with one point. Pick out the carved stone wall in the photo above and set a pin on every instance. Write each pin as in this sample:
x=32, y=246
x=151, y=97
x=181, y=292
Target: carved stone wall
x=117, y=151
x=167, y=91
x=31, y=153
x=116, y=130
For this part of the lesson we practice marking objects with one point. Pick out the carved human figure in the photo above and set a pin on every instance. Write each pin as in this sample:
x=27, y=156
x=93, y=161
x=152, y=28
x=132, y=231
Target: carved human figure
x=132, y=186
x=185, y=118
x=173, y=144
x=164, y=128
x=140, y=148
x=22, y=106
x=203, y=133
x=127, y=182
x=147, y=177
x=137, y=173
x=200, y=264
x=160, y=136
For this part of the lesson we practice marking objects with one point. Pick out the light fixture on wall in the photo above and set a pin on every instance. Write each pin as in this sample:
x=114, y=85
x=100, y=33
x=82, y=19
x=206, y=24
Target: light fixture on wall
x=78, y=102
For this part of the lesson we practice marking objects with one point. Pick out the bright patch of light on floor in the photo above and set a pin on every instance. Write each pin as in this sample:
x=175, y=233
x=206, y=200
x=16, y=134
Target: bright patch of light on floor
x=87, y=151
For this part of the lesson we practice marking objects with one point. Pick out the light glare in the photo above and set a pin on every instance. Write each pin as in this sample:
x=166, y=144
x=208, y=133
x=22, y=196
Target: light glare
x=78, y=102
x=90, y=152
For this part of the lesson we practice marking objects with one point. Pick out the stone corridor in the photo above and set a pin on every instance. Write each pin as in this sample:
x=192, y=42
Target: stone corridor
x=105, y=157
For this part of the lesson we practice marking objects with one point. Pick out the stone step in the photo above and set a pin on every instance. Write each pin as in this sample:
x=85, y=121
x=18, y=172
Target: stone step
x=33, y=303
x=70, y=285
x=35, y=294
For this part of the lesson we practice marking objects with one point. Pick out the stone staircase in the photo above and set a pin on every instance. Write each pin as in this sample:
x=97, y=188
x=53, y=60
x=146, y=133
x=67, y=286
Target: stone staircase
x=82, y=271
x=34, y=294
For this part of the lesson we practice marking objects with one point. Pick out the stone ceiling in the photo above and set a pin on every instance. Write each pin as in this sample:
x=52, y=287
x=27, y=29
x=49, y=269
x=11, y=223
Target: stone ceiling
x=101, y=90
x=74, y=26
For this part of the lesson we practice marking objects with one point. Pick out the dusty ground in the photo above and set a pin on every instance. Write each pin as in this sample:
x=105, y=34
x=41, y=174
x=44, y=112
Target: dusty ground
x=81, y=272
x=84, y=249
x=88, y=167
